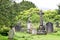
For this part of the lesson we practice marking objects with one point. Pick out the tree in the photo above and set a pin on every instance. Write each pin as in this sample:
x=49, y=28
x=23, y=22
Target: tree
x=26, y=5
x=57, y=17
x=25, y=14
x=4, y=11
x=9, y=11
x=49, y=15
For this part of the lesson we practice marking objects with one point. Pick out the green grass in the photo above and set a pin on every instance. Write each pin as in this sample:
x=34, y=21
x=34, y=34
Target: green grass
x=25, y=36
x=3, y=37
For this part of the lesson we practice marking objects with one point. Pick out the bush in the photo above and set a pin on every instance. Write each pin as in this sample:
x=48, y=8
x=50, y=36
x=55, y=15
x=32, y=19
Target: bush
x=4, y=31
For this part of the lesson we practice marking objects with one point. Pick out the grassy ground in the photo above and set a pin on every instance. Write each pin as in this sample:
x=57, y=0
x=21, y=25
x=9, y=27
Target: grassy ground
x=3, y=37
x=25, y=36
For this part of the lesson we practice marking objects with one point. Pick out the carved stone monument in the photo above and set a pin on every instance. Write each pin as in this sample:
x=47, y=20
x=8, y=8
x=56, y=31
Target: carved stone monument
x=41, y=29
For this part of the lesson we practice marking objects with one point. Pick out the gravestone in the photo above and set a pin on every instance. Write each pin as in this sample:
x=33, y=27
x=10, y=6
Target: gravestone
x=18, y=27
x=41, y=20
x=41, y=29
x=29, y=26
x=11, y=34
x=49, y=27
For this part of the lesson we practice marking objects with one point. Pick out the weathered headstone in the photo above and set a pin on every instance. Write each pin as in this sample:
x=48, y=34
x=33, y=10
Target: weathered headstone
x=11, y=34
x=18, y=27
x=49, y=27
x=29, y=26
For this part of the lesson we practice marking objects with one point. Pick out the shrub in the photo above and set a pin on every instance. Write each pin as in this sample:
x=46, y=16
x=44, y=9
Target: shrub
x=4, y=31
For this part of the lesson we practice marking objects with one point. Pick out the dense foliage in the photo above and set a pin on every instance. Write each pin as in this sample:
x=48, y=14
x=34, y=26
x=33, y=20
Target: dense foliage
x=25, y=14
x=9, y=12
x=26, y=5
x=50, y=16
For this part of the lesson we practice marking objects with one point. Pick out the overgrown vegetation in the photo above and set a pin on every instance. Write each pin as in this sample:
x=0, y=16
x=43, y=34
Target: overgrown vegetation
x=12, y=12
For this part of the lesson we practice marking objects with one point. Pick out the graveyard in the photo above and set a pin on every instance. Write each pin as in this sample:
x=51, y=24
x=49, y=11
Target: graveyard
x=26, y=36
x=24, y=21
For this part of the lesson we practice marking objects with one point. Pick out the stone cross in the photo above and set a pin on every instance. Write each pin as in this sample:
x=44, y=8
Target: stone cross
x=41, y=29
x=41, y=20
